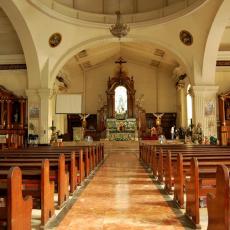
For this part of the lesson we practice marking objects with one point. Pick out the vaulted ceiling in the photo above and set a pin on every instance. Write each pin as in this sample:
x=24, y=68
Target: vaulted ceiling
x=140, y=53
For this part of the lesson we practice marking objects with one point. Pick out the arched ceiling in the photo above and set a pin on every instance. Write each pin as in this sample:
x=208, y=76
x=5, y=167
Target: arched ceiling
x=146, y=54
x=11, y=51
x=8, y=36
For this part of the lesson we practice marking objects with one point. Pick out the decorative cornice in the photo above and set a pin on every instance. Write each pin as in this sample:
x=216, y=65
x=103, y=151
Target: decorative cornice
x=12, y=66
x=223, y=63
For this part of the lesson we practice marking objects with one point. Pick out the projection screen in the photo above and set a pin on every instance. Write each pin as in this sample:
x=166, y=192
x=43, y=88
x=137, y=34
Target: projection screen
x=68, y=103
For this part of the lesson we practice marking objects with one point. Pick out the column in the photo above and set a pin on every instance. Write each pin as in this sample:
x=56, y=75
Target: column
x=204, y=104
x=181, y=105
x=45, y=115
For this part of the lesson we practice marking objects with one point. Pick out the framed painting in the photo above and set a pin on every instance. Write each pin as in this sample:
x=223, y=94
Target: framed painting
x=209, y=109
x=34, y=112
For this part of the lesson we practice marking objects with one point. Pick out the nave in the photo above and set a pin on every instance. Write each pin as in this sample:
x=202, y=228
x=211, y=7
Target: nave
x=121, y=195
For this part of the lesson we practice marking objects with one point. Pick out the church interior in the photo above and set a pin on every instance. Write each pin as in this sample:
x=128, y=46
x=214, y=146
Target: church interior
x=114, y=114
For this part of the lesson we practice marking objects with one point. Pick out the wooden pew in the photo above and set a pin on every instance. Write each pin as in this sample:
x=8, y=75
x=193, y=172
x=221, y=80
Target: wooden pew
x=58, y=172
x=76, y=166
x=17, y=211
x=181, y=170
x=84, y=169
x=219, y=204
x=200, y=183
x=36, y=182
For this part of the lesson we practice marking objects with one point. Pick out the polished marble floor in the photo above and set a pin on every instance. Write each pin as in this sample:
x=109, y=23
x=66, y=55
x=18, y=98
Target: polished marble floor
x=122, y=196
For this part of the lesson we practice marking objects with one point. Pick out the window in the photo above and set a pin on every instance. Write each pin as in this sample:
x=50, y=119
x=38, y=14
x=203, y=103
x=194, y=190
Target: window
x=120, y=99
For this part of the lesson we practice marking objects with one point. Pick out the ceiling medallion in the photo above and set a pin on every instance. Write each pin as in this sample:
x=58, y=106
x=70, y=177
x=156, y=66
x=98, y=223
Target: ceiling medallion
x=119, y=29
x=186, y=37
x=55, y=40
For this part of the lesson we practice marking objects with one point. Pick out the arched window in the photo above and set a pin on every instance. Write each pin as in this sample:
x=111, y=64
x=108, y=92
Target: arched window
x=189, y=105
x=120, y=99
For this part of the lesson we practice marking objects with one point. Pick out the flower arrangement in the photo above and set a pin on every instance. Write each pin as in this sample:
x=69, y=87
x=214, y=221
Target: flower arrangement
x=191, y=134
x=197, y=134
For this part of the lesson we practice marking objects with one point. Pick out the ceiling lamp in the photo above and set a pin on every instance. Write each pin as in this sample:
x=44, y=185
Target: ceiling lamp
x=119, y=29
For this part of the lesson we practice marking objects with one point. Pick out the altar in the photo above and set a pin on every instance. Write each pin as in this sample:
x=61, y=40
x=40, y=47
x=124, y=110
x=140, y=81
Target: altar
x=121, y=130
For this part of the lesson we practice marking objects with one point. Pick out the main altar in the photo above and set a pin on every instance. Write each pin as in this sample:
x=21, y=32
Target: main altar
x=121, y=130
x=121, y=117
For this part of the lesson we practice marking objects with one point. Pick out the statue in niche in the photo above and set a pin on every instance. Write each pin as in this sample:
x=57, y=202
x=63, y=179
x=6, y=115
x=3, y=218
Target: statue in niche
x=83, y=117
x=120, y=100
x=158, y=118
x=121, y=105
x=16, y=116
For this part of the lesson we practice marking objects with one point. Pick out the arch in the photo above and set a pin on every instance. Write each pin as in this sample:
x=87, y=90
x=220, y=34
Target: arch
x=25, y=37
x=106, y=39
x=213, y=42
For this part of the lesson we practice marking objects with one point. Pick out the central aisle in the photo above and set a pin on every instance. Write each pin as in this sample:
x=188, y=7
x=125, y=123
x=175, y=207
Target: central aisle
x=121, y=196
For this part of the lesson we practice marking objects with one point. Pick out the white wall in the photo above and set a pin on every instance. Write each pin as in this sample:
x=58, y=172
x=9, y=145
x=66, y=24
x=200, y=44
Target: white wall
x=223, y=81
x=166, y=92
x=14, y=80
x=145, y=83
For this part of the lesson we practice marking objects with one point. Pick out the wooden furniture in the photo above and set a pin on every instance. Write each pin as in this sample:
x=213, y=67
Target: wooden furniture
x=219, y=204
x=36, y=182
x=65, y=171
x=16, y=211
x=167, y=121
x=178, y=168
x=74, y=120
x=224, y=116
x=13, y=117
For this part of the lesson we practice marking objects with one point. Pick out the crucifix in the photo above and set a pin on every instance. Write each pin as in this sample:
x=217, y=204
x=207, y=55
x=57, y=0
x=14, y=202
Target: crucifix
x=120, y=61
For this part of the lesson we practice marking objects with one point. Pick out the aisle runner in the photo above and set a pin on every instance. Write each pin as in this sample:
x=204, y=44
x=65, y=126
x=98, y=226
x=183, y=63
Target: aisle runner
x=121, y=196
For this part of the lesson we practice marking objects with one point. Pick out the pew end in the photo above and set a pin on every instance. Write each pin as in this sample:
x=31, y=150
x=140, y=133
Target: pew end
x=218, y=205
x=19, y=209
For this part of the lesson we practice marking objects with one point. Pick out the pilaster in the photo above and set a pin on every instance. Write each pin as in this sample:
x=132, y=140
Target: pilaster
x=181, y=105
x=205, y=106
x=45, y=114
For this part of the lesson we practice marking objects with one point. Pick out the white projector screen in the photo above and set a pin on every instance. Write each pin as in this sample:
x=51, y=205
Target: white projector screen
x=68, y=103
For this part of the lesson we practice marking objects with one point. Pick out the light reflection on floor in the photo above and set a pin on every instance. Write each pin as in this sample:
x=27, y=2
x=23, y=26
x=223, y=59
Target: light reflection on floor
x=122, y=196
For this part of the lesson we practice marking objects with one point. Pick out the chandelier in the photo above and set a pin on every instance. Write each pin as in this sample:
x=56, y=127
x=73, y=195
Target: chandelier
x=119, y=29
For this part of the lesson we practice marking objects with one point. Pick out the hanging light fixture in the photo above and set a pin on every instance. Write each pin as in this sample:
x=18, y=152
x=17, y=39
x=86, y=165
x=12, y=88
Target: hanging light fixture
x=119, y=29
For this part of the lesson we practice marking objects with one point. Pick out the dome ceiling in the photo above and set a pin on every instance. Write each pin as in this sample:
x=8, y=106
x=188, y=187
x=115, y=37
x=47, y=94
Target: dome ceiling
x=133, y=11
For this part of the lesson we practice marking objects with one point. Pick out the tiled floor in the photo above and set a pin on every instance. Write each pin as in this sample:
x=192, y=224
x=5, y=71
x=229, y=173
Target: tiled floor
x=122, y=196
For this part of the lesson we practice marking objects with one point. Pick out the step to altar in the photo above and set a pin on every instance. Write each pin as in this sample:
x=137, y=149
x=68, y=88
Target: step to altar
x=117, y=146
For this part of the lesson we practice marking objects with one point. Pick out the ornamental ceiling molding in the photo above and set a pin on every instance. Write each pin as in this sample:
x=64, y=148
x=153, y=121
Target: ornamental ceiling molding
x=77, y=17
x=12, y=66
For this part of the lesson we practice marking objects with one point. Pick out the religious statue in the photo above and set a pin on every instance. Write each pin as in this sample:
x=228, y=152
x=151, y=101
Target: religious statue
x=158, y=116
x=83, y=117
